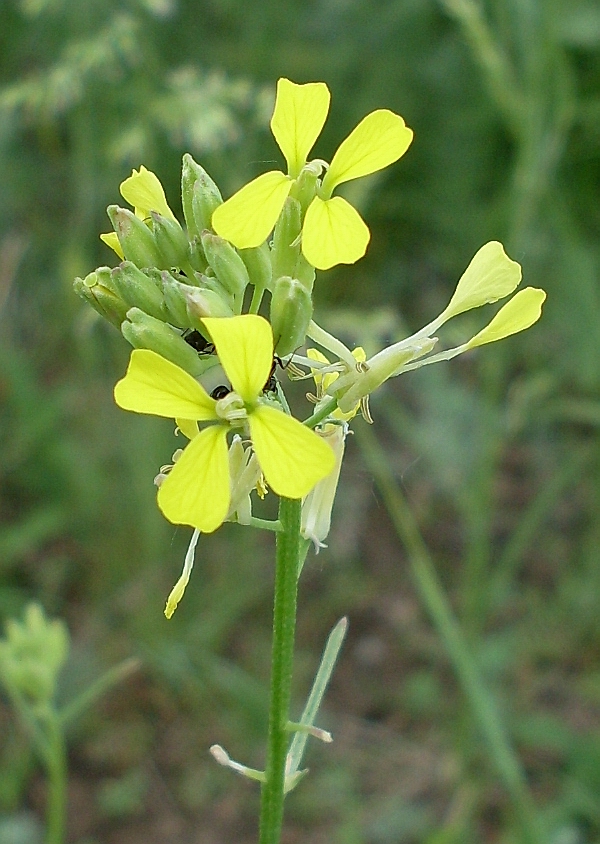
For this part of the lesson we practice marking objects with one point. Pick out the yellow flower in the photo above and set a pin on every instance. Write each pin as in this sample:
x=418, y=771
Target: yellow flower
x=333, y=231
x=197, y=490
x=144, y=191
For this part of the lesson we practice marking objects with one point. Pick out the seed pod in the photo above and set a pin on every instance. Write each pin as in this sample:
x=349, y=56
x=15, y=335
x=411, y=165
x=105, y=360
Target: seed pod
x=291, y=312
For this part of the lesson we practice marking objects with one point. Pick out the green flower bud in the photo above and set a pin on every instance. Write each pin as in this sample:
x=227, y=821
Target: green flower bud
x=209, y=282
x=96, y=290
x=228, y=267
x=305, y=188
x=291, y=312
x=258, y=263
x=203, y=302
x=32, y=655
x=145, y=332
x=199, y=196
x=138, y=290
x=286, y=239
x=136, y=239
x=170, y=240
x=196, y=255
x=175, y=300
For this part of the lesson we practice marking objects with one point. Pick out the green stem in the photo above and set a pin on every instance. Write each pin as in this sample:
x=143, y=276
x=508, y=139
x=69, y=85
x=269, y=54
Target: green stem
x=284, y=624
x=466, y=668
x=56, y=766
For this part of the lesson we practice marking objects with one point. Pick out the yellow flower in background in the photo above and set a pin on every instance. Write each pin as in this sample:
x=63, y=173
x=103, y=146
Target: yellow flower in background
x=197, y=490
x=144, y=191
x=333, y=231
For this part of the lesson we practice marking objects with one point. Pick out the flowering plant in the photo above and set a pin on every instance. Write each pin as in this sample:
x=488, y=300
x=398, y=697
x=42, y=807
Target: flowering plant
x=212, y=309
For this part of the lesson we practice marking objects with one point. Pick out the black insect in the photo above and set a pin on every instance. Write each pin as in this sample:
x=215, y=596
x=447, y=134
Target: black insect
x=199, y=343
x=220, y=392
x=271, y=382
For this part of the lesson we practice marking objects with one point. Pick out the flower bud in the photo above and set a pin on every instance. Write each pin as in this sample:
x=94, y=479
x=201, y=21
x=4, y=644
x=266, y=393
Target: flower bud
x=175, y=300
x=196, y=255
x=32, y=654
x=291, y=312
x=286, y=239
x=199, y=196
x=170, y=240
x=138, y=290
x=203, y=302
x=135, y=237
x=226, y=263
x=145, y=332
x=209, y=282
x=305, y=188
x=98, y=290
x=258, y=263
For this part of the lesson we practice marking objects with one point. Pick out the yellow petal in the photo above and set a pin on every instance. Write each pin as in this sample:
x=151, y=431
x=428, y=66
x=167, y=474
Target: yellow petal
x=112, y=240
x=490, y=276
x=196, y=490
x=244, y=345
x=188, y=427
x=519, y=313
x=379, y=139
x=144, y=191
x=248, y=217
x=292, y=457
x=157, y=386
x=333, y=233
x=299, y=115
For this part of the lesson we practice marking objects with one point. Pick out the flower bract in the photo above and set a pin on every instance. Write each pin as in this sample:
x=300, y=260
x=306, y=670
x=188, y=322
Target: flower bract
x=197, y=490
x=333, y=231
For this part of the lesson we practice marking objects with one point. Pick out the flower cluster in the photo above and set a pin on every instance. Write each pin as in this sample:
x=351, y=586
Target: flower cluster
x=212, y=307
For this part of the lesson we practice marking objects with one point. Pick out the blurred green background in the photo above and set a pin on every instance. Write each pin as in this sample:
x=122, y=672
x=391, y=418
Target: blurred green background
x=497, y=454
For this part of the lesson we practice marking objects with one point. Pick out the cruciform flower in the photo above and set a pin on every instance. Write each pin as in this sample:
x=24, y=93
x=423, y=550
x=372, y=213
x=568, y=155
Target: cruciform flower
x=333, y=231
x=197, y=490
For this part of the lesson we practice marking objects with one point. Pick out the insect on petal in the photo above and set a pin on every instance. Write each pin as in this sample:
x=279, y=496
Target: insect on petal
x=196, y=490
x=292, y=457
x=333, y=233
x=380, y=138
x=245, y=348
x=154, y=385
x=299, y=115
x=248, y=217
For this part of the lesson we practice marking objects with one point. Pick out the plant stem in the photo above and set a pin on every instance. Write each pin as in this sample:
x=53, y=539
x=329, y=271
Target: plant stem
x=466, y=668
x=284, y=625
x=56, y=766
